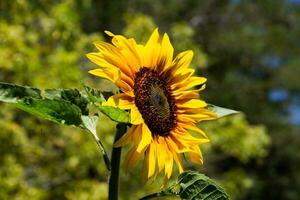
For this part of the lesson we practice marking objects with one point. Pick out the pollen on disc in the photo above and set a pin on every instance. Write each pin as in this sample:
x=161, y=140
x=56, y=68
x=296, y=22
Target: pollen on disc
x=155, y=102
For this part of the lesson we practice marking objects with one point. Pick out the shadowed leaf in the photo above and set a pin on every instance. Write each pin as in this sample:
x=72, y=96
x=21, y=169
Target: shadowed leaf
x=71, y=95
x=11, y=93
x=192, y=185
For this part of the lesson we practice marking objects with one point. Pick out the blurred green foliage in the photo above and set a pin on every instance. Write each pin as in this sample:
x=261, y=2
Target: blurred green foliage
x=246, y=49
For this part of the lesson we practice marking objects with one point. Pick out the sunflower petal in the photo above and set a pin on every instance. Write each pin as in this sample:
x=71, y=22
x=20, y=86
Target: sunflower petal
x=179, y=68
x=152, y=158
x=132, y=157
x=129, y=50
x=166, y=57
x=161, y=155
x=121, y=100
x=146, y=138
x=196, y=156
x=110, y=74
x=152, y=50
x=193, y=128
x=193, y=103
x=136, y=117
x=169, y=164
x=189, y=83
x=127, y=137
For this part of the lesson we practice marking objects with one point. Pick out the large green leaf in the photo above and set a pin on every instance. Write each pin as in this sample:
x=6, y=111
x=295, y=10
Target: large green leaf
x=220, y=111
x=11, y=93
x=115, y=114
x=71, y=95
x=59, y=111
x=63, y=106
x=192, y=185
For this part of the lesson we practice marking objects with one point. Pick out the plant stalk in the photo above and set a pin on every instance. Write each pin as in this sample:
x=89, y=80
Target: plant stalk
x=113, y=190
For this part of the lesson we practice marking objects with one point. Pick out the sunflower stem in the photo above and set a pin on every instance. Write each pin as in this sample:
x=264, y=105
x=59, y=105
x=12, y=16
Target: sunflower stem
x=115, y=165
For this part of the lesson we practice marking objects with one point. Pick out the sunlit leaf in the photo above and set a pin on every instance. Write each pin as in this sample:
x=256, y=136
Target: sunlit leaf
x=59, y=106
x=192, y=185
x=220, y=111
x=59, y=111
x=115, y=114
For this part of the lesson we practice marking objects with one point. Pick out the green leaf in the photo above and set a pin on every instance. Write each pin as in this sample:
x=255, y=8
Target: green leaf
x=57, y=105
x=94, y=95
x=71, y=95
x=115, y=114
x=65, y=106
x=220, y=111
x=193, y=185
x=59, y=111
x=11, y=93
x=90, y=123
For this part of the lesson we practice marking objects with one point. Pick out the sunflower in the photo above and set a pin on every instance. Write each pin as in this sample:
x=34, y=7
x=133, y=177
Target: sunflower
x=160, y=94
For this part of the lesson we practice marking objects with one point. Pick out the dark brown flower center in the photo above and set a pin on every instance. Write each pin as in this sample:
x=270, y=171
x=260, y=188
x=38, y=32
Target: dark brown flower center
x=154, y=100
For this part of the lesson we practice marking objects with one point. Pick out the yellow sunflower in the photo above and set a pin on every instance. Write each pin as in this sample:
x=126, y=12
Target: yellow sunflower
x=159, y=92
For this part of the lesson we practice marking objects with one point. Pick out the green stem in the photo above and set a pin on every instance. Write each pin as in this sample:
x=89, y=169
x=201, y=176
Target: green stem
x=115, y=165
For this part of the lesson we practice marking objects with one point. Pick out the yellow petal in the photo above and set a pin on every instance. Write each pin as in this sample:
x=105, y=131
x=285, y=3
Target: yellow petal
x=98, y=59
x=182, y=77
x=121, y=100
x=202, y=115
x=189, y=83
x=188, y=140
x=152, y=50
x=185, y=95
x=111, y=74
x=179, y=66
x=188, y=94
x=131, y=158
x=129, y=50
x=127, y=137
x=178, y=160
x=196, y=156
x=169, y=164
x=166, y=55
x=161, y=154
x=146, y=138
x=183, y=60
x=178, y=145
x=152, y=158
x=174, y=149
x=109, y=33
x=193, y=128
x=136, y=117
x=114, y=56
x=193, y=103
